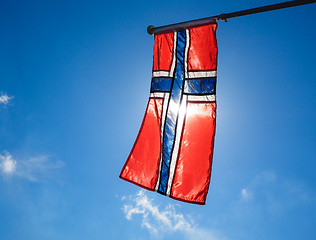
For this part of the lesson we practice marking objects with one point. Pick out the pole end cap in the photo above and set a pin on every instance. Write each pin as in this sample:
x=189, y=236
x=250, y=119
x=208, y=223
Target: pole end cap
x=150, y=29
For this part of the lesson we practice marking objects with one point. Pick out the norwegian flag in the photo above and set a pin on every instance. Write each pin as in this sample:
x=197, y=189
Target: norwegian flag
x=174, y=148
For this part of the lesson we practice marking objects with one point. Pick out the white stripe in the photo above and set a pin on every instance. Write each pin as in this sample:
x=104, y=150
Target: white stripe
x=158, y=94
x=163, y=119
x=187, y=36
x=173, y=64
x=161, y=74
x=205, y=98
x=202, y=74
x=175, y=152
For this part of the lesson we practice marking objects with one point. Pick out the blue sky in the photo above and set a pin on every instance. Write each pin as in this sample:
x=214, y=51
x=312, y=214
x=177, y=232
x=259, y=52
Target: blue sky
x=74, y=84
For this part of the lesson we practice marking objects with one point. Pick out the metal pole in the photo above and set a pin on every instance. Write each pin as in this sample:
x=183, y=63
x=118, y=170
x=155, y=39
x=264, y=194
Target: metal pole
x=224, y=16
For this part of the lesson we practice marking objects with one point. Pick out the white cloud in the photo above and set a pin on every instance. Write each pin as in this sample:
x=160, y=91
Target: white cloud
x=166, y=220
x=4, y=98
x=7, y=164
x=33, y=168
x=246, y=194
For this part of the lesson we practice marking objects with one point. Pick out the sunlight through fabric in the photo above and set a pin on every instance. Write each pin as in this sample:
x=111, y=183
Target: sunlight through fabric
x=173, y=151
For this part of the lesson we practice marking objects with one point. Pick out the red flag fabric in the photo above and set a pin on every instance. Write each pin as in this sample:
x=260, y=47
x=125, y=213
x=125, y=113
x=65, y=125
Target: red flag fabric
x=173, y=151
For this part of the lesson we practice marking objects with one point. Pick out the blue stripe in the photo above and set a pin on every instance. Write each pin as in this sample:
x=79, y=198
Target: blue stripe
x=196, y=86
x=172, y=113
x=161, y=84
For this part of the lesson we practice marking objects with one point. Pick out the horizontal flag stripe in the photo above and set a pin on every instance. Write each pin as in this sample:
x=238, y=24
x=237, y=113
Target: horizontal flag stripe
x=203, y=98
x=161, y=84
x=157, y=95
x=204, y=85
x=191, y=86
x=201, y=74
x=162, y=74
x=197, y=74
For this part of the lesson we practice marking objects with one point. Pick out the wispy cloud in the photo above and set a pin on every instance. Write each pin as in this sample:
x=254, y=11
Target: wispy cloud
x=263, y=178
x=267, y=198
x=166, y=220
x=4, y=98
x=33, y=169
x=273, y=193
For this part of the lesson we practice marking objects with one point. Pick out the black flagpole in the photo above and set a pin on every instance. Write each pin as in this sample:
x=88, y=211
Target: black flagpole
x=224, y=16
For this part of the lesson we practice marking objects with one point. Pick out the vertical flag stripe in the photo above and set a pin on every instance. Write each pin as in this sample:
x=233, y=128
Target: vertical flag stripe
x=175, y=152
x=164, y=110
x=172, y=113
